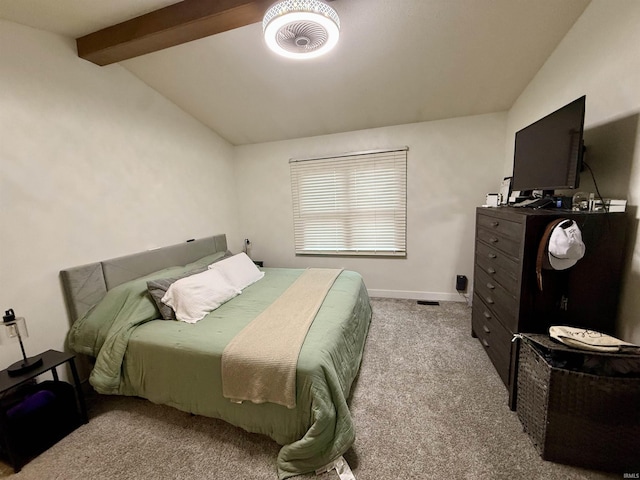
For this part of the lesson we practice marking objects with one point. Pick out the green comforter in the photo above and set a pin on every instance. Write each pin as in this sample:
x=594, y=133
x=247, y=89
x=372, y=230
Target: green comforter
x=178, y=364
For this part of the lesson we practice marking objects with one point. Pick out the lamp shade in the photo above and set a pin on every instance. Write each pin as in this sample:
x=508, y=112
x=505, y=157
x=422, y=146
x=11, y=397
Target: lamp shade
x=301, y=29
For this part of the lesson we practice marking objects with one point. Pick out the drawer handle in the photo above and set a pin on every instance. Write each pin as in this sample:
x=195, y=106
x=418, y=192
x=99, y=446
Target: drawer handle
x=492, y=255
x=491, y=270
x=490, y=286
x=493, y=240
x=486, y=329
x=485, y=343
x=495, y=224
x=490, y=301
x=487, y=315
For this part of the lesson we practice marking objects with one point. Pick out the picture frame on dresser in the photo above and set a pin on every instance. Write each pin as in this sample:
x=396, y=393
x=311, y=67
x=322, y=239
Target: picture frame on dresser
x=505, y=190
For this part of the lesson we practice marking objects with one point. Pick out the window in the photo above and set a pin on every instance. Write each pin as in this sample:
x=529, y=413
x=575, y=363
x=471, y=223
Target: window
x=351, y=204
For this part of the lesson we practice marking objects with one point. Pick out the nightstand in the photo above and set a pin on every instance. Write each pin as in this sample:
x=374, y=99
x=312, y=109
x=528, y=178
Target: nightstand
x=34, y=416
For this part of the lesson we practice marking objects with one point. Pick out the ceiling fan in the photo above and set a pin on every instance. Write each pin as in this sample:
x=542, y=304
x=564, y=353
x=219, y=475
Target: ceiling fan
x=193, y=19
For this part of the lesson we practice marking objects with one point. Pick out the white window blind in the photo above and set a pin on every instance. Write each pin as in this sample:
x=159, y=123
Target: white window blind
x=351, y=204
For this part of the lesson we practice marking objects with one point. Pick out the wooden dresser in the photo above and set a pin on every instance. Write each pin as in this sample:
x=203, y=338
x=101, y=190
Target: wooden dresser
x=506, y=297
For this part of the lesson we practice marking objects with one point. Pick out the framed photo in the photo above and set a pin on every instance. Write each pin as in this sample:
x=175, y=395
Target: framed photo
x=505, y=190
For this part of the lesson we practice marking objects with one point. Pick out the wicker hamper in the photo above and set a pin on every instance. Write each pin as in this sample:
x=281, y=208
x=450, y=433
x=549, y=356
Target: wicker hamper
x=578, y=418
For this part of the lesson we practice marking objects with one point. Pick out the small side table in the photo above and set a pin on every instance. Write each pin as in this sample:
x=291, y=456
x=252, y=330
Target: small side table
x=51, y=359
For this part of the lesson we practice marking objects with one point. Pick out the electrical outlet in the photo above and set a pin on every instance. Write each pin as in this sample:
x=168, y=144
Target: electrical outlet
x=461, y=283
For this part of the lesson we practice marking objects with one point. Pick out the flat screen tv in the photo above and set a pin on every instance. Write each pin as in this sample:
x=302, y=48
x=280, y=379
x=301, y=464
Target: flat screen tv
x=548, y=153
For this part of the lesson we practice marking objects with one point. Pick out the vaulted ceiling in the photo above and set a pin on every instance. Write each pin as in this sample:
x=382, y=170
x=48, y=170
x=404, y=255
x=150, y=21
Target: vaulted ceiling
x=397, y=62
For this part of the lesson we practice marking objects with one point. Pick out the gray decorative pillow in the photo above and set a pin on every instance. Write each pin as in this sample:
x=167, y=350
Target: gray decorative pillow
x=157, y=289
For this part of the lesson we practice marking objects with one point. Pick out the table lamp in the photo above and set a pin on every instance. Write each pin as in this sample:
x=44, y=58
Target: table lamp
x=17, y=327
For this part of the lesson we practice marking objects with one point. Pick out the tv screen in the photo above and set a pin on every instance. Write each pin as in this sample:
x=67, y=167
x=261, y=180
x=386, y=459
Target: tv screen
x=548, y=153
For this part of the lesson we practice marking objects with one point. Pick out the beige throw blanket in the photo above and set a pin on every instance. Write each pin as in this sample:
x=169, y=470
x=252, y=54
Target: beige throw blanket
x=259, y=364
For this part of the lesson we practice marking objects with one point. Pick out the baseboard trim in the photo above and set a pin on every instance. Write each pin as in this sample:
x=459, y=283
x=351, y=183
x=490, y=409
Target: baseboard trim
x=415, y=295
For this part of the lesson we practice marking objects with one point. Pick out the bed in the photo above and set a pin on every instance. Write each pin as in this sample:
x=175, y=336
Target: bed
x=137, y=353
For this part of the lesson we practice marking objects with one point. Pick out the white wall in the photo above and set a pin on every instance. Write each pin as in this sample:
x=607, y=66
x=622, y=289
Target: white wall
x=452, y=164
x=94, y=164
x=599, y=58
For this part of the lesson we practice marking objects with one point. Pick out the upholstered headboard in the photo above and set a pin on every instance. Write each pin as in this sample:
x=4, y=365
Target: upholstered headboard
x=85, y=285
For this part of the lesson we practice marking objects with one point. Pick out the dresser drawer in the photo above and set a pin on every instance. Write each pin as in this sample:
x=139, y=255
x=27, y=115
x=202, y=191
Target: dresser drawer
x=504, y=244
x=506, y=228
x=497, y=298
x=494, y=338
x=500, y=267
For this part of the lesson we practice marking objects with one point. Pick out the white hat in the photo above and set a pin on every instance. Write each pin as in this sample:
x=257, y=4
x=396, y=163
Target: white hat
x=590, y=339
x=565, y=245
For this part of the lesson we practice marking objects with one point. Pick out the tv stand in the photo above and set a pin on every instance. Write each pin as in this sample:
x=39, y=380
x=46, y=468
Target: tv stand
x=506, y=297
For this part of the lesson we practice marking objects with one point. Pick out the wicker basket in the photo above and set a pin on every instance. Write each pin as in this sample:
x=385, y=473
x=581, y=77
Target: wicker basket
x=575, y=418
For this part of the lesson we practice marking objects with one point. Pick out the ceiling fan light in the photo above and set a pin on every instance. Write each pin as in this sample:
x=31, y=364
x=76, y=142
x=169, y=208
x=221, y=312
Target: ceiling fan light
x=301, y=29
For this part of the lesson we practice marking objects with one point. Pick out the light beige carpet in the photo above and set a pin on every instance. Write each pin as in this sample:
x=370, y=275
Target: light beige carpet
x=427, y=405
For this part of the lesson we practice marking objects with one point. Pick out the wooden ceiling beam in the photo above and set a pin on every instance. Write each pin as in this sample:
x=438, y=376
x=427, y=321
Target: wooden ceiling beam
x=169, y=26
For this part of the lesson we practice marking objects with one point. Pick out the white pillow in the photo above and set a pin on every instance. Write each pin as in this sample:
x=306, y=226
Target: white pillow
x=195, y=296
x=239, y=270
